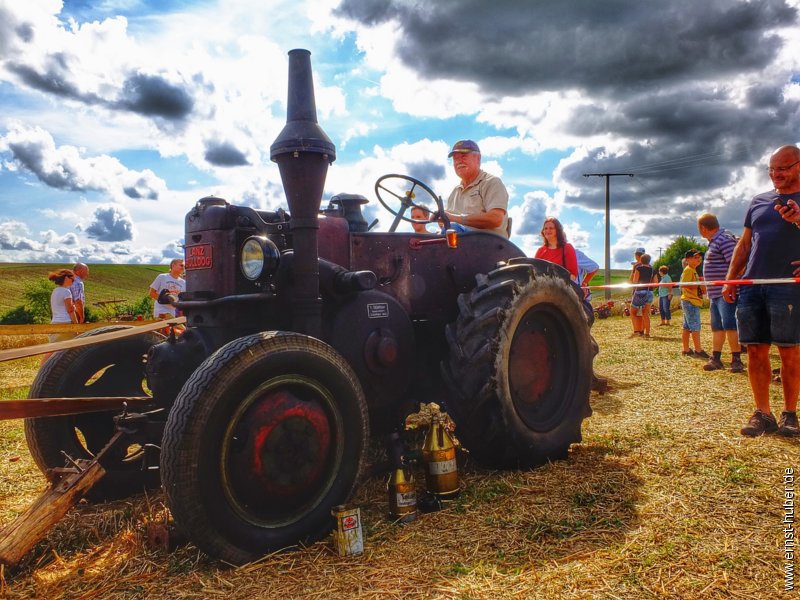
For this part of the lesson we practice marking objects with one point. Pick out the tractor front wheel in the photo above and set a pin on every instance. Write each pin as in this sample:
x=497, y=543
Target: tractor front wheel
x=266, y=436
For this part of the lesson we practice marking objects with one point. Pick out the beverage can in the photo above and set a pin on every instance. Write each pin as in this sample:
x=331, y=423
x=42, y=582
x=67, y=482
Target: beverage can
x=348, y=537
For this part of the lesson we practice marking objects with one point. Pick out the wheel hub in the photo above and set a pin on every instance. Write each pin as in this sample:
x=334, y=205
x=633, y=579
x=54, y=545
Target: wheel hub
x=278, y=453
x=537, y=368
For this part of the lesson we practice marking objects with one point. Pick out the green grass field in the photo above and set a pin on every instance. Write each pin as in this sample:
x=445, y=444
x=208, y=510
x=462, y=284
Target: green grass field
x=106, y=282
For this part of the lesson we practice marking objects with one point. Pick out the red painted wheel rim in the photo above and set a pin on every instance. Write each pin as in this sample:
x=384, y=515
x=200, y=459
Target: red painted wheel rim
x=280, y=451
x=538, y=367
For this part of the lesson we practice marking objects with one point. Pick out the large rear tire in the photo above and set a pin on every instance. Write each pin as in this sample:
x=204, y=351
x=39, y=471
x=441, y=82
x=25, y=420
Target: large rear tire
x=109, y=369
x=519, y=368
x=266, y=436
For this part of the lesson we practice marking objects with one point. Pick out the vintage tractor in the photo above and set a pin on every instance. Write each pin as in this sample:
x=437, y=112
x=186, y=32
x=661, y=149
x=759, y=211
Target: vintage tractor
x=306, y=332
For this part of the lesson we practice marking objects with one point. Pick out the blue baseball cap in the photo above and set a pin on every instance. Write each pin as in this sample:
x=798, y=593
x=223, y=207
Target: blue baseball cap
x=639, y=250
x=464, y=147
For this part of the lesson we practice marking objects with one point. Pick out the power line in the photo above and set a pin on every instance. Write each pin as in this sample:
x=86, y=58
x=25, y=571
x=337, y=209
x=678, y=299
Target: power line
x=737, y=151
x=671, y=161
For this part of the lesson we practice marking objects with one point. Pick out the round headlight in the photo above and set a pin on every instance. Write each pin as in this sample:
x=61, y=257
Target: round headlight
x=252, y=258
x=259, y=258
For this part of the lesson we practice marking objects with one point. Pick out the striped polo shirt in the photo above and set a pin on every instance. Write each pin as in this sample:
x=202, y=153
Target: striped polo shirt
x=718, y=259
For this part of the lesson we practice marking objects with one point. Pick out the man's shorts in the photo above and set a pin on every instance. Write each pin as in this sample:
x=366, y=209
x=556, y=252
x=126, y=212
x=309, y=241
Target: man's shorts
x=769, y=314
x=691, y=316
x=723, y=315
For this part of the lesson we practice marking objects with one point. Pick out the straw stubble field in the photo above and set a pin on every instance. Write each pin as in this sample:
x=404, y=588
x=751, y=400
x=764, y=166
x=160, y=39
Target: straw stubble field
x=663, y=498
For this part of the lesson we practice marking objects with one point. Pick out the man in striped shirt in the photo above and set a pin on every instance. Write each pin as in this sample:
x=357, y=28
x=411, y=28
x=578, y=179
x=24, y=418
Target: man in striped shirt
x=721, y=243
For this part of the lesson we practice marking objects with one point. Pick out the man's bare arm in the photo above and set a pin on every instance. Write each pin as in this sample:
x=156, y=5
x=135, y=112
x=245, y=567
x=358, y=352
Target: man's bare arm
x=484, y=220
x=79, y=311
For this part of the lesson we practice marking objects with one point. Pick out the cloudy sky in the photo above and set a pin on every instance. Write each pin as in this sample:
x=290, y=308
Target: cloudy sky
x=117, y=115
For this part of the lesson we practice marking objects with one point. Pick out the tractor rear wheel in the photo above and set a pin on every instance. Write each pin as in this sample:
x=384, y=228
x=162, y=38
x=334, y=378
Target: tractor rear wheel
x=519, y=367
x=113, y=368
x=266, y=436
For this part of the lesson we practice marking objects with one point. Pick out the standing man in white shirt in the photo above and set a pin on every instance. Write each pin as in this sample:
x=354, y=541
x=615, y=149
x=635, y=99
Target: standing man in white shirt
x=174, y=283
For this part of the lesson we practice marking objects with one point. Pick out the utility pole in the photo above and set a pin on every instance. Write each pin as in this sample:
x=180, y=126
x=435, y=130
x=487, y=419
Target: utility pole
x=608, y=177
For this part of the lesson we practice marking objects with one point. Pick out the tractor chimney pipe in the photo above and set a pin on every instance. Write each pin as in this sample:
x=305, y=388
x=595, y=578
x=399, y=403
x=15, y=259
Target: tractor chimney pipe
x=303, y=153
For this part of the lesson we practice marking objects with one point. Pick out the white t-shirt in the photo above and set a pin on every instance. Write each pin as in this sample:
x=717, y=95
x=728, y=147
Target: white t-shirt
x=165, y=281
x=57, y=306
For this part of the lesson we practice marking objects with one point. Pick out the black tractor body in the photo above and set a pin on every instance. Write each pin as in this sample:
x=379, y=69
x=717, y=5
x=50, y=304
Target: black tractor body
x=306, y=333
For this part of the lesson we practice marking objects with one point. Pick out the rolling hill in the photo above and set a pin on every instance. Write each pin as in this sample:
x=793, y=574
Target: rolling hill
x=131, y=282
x=106, y=282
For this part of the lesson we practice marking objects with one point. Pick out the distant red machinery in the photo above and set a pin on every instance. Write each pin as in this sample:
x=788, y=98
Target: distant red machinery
x=603, y=311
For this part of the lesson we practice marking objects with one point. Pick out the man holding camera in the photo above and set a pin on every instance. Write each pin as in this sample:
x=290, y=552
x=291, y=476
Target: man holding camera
x=169, y=284
x=770, y=314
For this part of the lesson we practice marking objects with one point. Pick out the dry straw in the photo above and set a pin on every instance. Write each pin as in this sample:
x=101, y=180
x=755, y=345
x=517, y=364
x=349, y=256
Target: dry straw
x=662, y=499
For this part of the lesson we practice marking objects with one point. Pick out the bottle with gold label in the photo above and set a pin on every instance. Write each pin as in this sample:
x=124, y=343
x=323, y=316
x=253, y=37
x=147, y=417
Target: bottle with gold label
x=402, y=491
x=401, y=487
x=439, y=456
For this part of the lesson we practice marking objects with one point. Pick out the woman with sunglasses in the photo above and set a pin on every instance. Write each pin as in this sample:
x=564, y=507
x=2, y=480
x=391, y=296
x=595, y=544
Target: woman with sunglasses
x=61, y=306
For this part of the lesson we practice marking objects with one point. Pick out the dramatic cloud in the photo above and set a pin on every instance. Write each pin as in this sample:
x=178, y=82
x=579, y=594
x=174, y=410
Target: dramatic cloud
x=77, y=63
x=606, y=44
x=651, y=89
x=50, y=237
x=154, y=96
x=224, y=154
x=111, y=223
x=426, y=171
x=672, y=225
x=172, y=250
x=11, y=236
x=51, y=79
x=64, y=167
x=147, y=95
x=528, y=220
x=261, y=194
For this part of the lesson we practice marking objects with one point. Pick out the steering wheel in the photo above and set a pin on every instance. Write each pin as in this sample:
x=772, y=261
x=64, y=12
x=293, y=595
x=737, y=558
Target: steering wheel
x=402, y=189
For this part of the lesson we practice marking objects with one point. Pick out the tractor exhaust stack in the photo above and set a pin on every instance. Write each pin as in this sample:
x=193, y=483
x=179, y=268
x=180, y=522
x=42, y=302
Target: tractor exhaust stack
x=303, y=152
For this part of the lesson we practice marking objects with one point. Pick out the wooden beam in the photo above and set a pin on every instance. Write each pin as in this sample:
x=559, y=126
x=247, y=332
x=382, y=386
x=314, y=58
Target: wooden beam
x=52, y=407
x=15, y=353
x=45, y=328
x=22, y=534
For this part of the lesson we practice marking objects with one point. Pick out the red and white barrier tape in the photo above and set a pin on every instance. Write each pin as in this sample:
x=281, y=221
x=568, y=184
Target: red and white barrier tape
x=719, y=282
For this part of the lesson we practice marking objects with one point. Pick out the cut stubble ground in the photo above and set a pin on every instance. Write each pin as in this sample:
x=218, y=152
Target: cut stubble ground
x=663, y=498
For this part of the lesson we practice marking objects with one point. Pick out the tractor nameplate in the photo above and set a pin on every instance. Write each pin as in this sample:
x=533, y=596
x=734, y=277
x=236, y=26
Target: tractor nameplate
x=378, y=311
x=199, y=257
